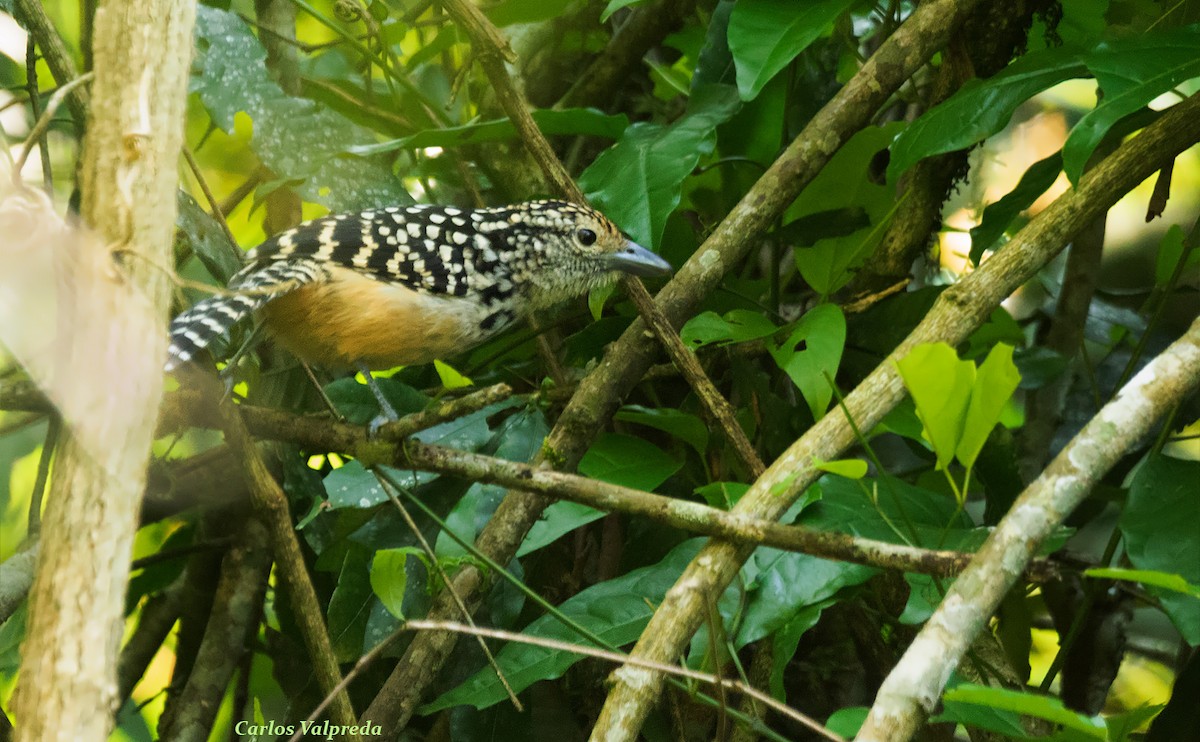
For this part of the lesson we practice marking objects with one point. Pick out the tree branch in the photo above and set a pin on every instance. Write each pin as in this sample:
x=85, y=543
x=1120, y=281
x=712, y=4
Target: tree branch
x=391, y=444
x=270, y=504
x=231, y=626
x=913, y=688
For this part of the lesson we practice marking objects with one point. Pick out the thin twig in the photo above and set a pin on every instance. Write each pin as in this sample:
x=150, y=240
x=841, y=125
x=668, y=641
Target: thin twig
x=33, y=17
x=214, y=207
x=35, y=106
x=43, y=474
x=719, y=410
x=624, y=659
x=43, y=123
x=270, y=503
x=389, y=486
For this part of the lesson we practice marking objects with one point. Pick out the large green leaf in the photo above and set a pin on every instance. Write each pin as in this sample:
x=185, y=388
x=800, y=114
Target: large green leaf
x=995, y=382
x=789, y=583
x=638, y=181
x=389, y=577
x=766, y=35
x=891, y=510
x=811, y=355
x=517, y=439
x=982, y=107
x=349, y=605
x=828, y=262
x=1159, y=523
x=628, y=461
x=1029, y=704
x=1131, y=73
x=684, y=426
x=940, y=385
x=616, y=611
x=299, y=140
x=557, y=521
x=737, y=326
x=613, y=458
x=352, y=486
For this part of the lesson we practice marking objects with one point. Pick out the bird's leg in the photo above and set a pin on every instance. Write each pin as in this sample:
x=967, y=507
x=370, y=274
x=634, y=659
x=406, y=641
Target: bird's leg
x=387, y=413
x=226, y=373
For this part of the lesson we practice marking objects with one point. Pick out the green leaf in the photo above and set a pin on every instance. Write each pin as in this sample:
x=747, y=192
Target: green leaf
x=788, y=583
x=357, y=404
x=1159, y=526
x=568, y=121
x=467, y=433
x=828, y=263
x=1170, y=252
x=352, y=486
x=811, y=355
x=598, y=297
x=205, y=239
x=686, y=427
x=1042, y=707
x=296, y=138
x=617, y=611
x=389, y=580
x=893, y=511
x=1165, y=580
x=848, y=468
x=787, y=638
x=628, y=461
x=1131, y=72
x=558, y=520
x=723, y=495
x=348, y=606
x=714, y=63
x=997, y=216
x=615, y=5
x=995, y=382
x=982, y=107
x=737, y=326
x=450, y=377
x=847, y=721
x=766, y=35
x=940, y=385
x=638, y=181
x=518, y=438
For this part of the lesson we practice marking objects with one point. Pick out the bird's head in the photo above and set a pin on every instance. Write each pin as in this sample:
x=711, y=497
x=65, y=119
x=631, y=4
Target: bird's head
x=569, y=249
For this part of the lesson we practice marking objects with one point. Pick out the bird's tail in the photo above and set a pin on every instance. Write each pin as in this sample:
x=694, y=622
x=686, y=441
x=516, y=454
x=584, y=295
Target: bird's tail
x=195, y=329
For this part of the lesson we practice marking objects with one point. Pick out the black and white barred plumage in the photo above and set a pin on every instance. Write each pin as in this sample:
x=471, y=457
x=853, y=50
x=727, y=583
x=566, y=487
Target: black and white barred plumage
x=406, y=284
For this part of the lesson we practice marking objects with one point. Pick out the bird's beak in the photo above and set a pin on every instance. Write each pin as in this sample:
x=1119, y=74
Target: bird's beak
x=637, y=260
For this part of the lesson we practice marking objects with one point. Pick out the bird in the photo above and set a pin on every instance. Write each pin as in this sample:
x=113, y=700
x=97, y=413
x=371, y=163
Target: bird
x=405, y=285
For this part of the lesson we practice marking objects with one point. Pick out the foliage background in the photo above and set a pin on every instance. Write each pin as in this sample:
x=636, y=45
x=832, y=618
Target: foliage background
x=381, y=104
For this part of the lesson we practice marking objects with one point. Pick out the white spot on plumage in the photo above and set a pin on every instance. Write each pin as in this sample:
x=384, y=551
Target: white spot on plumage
x=437, y=218
x=210, y=323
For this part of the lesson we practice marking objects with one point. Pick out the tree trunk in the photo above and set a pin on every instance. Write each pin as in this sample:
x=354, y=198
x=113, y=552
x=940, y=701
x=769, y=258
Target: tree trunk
x=112, y=293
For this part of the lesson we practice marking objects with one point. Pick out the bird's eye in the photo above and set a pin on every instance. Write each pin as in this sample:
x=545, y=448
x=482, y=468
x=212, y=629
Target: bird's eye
x=586, y=236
